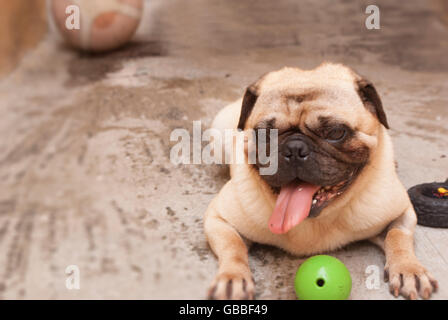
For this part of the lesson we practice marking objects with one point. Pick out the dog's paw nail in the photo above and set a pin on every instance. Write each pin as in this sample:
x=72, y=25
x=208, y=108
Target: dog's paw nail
x=211, y=293
x=229, y=289
x=386, y=275
x=435, y=284
x=232, y=287
x=413, y=296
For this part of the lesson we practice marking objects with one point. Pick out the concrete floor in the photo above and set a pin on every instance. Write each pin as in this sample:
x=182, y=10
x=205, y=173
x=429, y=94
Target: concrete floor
x=86, y=178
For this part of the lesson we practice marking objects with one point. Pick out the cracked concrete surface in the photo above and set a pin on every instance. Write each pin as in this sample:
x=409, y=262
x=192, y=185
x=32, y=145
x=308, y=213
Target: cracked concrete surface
x=85, y=170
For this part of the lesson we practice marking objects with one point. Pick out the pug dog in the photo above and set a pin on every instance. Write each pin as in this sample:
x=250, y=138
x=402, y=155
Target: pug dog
x=335, y=182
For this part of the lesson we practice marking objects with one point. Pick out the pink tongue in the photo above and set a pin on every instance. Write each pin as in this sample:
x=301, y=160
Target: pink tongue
x=292, y=207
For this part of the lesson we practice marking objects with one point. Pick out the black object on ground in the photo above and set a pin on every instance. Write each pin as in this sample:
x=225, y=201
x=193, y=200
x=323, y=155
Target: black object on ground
x=431, y=205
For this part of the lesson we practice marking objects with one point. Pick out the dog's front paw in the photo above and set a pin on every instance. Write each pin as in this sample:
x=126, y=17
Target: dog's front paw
x=232, y=286
x=409, y=278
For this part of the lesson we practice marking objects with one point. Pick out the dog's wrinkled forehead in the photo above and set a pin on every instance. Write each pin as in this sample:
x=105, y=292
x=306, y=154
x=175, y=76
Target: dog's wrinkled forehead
x=325, y=76
x=329, y=86
x=329, y=89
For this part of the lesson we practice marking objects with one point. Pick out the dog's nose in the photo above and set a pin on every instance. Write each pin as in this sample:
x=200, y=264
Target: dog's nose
x=295, y=150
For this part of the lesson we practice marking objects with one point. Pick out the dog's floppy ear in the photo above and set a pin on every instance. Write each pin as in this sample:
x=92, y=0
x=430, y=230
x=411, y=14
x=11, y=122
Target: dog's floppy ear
x=250, y=97
x=371, y=100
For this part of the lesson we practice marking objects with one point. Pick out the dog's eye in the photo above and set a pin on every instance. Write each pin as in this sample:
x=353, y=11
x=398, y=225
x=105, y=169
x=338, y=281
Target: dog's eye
x=336, y=134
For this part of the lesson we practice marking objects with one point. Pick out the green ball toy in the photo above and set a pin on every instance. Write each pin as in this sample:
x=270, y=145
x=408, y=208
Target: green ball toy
x=323, y=277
